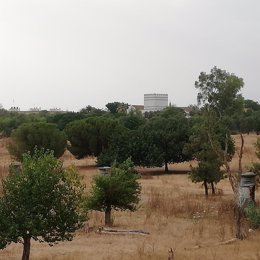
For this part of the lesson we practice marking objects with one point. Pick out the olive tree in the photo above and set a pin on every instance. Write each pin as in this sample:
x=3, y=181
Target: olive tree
x=40, y=201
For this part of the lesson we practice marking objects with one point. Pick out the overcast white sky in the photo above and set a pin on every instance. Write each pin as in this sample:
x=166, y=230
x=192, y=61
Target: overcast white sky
x=73, y=53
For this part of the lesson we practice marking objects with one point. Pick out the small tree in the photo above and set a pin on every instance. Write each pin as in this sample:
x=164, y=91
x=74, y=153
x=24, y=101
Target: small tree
x=40, y=201
x=208, y=171
x=118, y=190
x=42, y=135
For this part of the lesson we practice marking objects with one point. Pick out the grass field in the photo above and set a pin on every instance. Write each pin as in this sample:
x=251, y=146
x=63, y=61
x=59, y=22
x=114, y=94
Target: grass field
x=173, y=210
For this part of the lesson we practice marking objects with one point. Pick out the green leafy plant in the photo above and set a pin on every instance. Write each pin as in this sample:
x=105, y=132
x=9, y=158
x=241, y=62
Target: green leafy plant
x=118, y=190
x=40, y=201
x=253, y=215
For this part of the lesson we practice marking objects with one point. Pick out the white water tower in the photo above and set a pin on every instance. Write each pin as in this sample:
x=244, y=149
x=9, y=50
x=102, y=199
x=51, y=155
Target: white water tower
x=155, y=102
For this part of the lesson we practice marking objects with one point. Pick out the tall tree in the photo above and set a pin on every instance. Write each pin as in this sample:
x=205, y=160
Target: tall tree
x=40, y=201
x=219, y=92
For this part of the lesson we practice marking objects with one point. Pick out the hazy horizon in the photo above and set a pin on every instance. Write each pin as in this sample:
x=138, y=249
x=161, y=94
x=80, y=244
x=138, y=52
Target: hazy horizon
x=70, y=54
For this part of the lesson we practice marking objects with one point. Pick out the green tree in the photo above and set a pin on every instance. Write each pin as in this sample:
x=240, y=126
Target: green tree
x=9, y=121
x=252, y=105
x=132, y=121
x=90, y=136
x=89, y=110
x=255, y=167
x=205, y=128
x=42, y=135
x=118, y=190
x=63, y=119
x=167, y=135
x=41, y=201
x=219, y=91
x=208, y=171
x=117, y=107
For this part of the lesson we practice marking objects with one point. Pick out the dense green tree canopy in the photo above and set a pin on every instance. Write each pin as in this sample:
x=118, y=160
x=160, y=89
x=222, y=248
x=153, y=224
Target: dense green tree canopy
x=91, y=136
x=42, y=135
x=63, y=119
x=167, y=134
x=10, y=121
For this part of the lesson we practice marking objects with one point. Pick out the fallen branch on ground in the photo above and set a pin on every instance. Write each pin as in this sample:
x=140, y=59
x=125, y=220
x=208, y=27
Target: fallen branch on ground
x=111, y=231
x=230, y=241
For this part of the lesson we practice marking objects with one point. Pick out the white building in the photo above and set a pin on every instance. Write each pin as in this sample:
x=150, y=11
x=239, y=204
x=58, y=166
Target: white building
x=155, y=102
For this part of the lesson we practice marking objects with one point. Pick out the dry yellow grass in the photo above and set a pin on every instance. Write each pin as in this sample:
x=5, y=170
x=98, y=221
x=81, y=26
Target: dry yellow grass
x=174, y=211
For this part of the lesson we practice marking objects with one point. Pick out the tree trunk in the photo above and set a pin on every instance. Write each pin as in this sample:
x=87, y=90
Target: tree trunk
x=108, y=220
x=206, y=188
x=213, y=187
x=240, y=230
x=26, y=248
x=166, y=167
x=240, y=156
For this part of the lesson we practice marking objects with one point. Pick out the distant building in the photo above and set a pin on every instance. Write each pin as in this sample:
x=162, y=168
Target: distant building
x=55, y=109
x=155, y=102
x=14, y=109
x=35, y=109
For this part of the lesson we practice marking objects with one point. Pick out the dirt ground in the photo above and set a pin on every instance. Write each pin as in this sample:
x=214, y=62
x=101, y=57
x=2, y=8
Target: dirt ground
x=172, y=209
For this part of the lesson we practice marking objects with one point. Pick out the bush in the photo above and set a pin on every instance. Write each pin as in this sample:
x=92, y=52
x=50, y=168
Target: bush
x=253, y=215
x=43, y=135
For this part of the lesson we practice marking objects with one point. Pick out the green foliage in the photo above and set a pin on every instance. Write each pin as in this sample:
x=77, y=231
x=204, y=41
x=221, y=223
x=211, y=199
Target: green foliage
x=219, y=90
x=253, y=215
x=132, y=121
x=11, y=121
x=89, y=110
x=91, y=136
x=208, y=170
x=63, y=119
x=42, y=135
x=211, y=142
x=205, y=130
x=130, y=143
x=255, y=167
x=252, y=105
x=154, y=142
x=42, y=201
x=117, y=107
x=166, y=135
x=118, y=190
